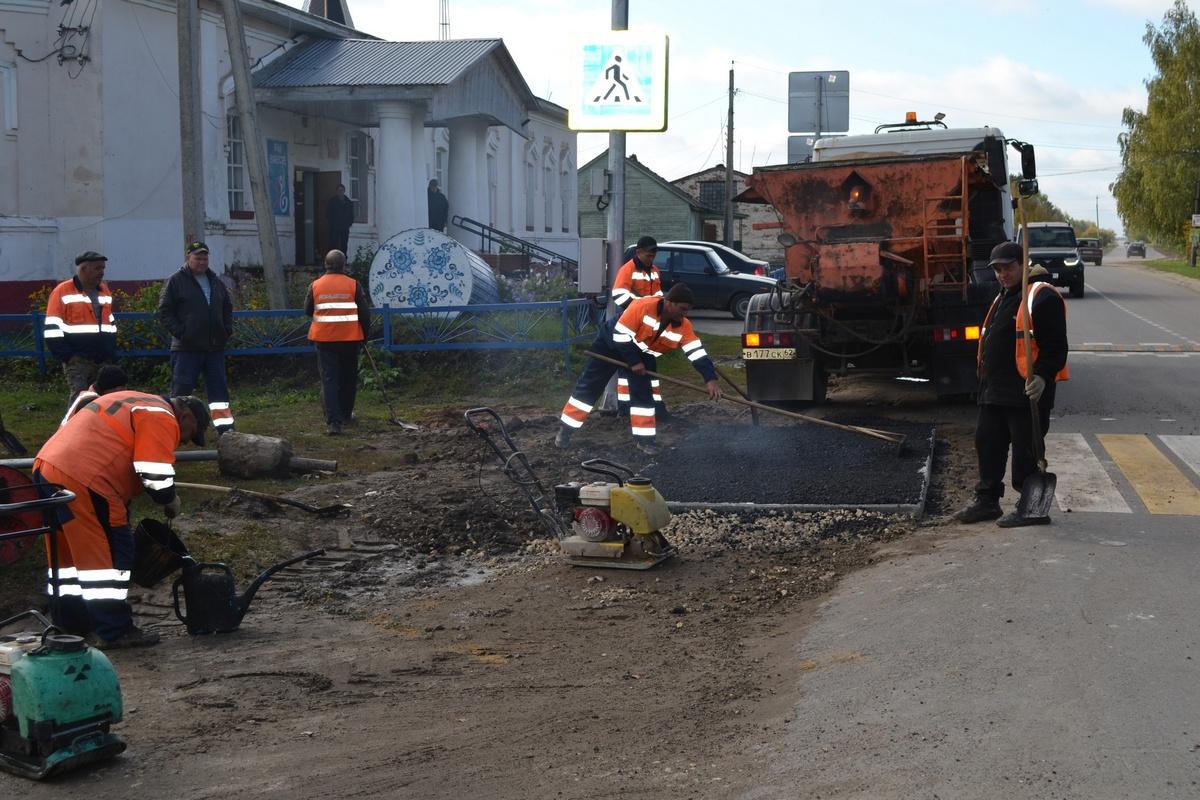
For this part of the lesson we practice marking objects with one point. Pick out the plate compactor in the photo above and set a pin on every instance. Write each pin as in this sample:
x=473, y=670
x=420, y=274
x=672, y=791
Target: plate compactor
x=613, y=524
x=58, y=697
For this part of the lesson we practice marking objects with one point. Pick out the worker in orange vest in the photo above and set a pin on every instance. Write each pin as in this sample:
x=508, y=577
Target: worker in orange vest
x=110, y=451
x=1007, y=382
x=638, y=277
x=341, y=318
x=79, y=328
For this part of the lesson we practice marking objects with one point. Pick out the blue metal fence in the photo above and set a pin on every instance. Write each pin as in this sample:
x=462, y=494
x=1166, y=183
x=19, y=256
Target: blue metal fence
x=501, y=326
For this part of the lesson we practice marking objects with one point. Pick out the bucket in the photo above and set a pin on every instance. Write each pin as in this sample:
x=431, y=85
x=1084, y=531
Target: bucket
x=157, y=552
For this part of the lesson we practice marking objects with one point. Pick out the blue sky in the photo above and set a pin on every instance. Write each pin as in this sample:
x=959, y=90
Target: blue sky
x=1057, y=74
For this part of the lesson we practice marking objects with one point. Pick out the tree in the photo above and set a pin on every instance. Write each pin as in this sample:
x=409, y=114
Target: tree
x=1160, y=150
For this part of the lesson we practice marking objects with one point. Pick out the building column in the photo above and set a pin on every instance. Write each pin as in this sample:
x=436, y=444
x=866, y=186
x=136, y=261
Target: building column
x=468, y=142
x=395, y=191
x=420, y=166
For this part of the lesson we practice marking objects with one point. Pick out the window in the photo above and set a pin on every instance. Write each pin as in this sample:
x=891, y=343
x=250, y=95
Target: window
x=712, y=194
x=358, y=156
x=235, y=168
x=548, y=195
x=439, y=167
x=564, y=193
x=530, y=189
x=691, y=262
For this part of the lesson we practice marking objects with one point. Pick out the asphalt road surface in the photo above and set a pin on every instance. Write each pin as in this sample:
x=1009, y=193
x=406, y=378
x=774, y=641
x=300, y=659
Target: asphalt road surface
x=1059, y=661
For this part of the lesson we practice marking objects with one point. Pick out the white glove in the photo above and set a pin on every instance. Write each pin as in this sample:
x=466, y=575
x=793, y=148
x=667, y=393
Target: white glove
x=1035, y=387
x=171, y=509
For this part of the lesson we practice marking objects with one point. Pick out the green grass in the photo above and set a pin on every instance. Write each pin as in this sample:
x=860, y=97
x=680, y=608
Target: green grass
x=1177, y=265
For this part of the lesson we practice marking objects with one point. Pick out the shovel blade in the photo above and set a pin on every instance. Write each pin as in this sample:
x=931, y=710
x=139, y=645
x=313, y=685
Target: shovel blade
x=1037, y=495
x=12, y=444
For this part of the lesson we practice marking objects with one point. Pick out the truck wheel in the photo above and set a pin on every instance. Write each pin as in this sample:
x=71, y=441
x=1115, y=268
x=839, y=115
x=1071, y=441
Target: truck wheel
x=1099, y=261
x=739, y=305
x=1077, y=288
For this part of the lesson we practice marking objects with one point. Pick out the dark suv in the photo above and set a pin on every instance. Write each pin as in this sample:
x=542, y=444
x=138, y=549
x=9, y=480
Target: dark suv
x=713, y=283
x=1135, y=249
x=1053, y=246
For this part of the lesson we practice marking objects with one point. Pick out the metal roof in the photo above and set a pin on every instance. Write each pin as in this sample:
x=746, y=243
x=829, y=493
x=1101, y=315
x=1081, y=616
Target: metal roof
x=362, y=62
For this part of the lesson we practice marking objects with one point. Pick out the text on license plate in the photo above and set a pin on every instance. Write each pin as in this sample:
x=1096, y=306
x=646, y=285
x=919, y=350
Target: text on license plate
x=768, y=353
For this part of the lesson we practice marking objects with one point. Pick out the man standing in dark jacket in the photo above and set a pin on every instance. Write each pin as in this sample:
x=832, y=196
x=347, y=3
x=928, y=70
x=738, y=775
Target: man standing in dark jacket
x=195, y=307
x=439, y=207
x=339, y=215
x=1006, y=385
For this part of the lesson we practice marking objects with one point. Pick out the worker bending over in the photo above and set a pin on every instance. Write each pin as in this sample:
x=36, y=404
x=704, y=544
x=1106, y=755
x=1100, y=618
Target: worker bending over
x=649, y=327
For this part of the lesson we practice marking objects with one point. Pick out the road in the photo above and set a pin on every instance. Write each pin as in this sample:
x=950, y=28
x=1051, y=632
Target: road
x=1041, y=662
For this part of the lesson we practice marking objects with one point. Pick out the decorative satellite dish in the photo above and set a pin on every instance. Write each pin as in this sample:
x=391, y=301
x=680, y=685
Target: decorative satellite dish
x=422, y=268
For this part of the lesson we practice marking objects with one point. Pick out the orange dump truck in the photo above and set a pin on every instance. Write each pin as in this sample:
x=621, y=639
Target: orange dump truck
x=886, y=239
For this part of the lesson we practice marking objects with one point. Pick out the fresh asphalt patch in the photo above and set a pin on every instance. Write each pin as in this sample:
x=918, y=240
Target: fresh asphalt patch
x=806, y=467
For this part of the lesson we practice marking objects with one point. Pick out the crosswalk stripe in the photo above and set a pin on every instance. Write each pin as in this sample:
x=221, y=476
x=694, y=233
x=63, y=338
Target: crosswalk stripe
x=1158, y=482
x=1083, y=485
x=1187, y=448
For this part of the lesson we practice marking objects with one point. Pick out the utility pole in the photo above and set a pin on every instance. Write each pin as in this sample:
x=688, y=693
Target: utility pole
x=191, y=143
x=729, y=167
x=444, y=21
x=616, y=206
x=256, y=157
x=1097, y=215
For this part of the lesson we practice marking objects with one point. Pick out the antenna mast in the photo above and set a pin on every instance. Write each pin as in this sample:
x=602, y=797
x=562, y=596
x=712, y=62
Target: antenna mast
x=444, y=21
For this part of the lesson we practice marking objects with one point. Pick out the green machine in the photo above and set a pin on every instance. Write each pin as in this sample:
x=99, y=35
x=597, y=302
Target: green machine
x=58, y=697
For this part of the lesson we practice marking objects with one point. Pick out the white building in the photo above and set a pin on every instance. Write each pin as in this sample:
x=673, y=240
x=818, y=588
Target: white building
x=90, y=143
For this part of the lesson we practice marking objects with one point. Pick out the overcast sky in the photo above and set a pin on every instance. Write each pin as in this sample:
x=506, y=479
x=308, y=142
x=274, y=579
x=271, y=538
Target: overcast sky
x=1055, y=73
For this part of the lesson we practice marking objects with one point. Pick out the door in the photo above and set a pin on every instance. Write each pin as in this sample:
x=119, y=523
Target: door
x=693, y=268
x=304, y=198
x=327, y=183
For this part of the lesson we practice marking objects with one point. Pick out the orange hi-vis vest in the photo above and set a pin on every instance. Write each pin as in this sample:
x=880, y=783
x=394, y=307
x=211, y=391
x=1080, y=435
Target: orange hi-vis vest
x=69, y=313
x=634, y=281
x=639, y=323
x=1024, y=320
x=118, y=445
x=335, y=310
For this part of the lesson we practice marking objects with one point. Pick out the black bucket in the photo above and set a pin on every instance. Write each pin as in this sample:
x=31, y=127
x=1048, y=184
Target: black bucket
x=157, y=552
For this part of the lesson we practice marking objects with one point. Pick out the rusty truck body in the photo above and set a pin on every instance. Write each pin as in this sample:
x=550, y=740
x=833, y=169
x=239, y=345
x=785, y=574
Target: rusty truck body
x=887, y=239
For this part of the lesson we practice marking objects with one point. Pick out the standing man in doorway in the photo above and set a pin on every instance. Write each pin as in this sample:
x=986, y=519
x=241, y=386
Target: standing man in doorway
x=339, y=216
x=341, y=317
x=439, y=208
x=79, y=327
x=195, y=307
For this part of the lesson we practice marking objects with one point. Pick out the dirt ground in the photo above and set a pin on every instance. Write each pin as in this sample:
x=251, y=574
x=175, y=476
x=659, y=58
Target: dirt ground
x=442, y=650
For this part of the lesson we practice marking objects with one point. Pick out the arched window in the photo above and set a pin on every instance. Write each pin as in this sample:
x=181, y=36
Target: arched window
x=565, y=172
x=549, y=183
x=530, y=185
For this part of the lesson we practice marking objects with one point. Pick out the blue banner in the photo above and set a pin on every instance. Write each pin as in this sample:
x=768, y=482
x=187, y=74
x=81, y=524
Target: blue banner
x=277, y=177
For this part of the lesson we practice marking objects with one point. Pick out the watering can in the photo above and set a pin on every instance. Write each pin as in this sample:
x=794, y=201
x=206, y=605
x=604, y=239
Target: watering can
x=211, y=601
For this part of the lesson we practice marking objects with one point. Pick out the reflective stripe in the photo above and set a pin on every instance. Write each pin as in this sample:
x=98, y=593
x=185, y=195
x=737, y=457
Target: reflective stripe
x=53, y=320
x=159, y=409
x=52, y=333
x=641, y=276
x=154, y=485
x=92, y=575
x=642, y=412
x=655, y=382
x=65, y=589
x=83, y=298
x=582, y=406
x=622, y=295
x=697, y=355
x=574, y=423
x=222, y=422
x=672, y=336
x=346, y=318
x=64, y=573
x=650, y=321
x=642, y=431
x=692, y=345
x=218, y=406
x=623, y=382
x=90, y=327
x=654, y=353
x=623, y=329
x=327, y=306
x=659, y=293
x=154, y=467
x=104, y=594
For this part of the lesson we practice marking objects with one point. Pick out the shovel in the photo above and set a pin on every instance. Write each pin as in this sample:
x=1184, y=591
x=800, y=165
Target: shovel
x=320, y=511
x=10, y=442
x=1037, y=492
x=392, y=418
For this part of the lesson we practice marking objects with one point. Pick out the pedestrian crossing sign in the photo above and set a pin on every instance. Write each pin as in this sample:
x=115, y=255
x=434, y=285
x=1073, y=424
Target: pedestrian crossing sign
x=622, y=83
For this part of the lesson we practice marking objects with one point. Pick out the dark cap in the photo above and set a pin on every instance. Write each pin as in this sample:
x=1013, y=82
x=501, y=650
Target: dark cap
x=89, y=255
x=197, y=247
x=647, y=243
x=200, y=412
x=109, y=378
x=1006, y=253
x=681, y=293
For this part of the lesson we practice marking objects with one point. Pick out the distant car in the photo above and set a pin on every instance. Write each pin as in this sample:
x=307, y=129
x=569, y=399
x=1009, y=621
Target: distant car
x=1135, y=249
x=714, y=284
x=737, y=262
x=1091, y=251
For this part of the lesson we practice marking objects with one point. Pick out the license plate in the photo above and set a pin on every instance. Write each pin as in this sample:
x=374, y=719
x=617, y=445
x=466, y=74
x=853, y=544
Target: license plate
x=1055, y=276
x=768, y=353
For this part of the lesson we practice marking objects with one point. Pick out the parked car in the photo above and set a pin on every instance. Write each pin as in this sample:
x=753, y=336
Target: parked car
x=1135, y=249
x=1053, y=245
x=714, y=284
x=737, y=262
x=1091, y=251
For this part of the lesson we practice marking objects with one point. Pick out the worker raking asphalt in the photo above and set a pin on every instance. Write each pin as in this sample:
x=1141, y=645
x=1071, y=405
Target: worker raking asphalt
x=794, y=464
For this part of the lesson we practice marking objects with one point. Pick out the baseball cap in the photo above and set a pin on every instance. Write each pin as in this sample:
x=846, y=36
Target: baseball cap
x=1006, y=253
x=200, y=412
x=197, y=247
x=681, y=293
x=647, y=243
x=89, y=255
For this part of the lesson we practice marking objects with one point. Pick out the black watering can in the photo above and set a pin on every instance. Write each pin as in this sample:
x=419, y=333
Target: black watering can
x=210, y=596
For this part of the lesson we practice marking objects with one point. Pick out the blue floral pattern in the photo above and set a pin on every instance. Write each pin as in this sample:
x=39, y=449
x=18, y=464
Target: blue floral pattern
x=421, y=268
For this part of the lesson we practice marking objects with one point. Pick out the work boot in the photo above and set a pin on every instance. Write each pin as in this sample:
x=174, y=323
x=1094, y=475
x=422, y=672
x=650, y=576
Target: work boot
x=981, y=509
x=562, y=439
x=335, y=429
x=648, y=446
x=1018, y=520
x=134, y=637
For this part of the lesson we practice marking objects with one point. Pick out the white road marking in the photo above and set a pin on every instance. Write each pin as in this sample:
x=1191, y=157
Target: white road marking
x=1149, y=322
x=1187, y=448
x=1083, y=483
x=1097, y=344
